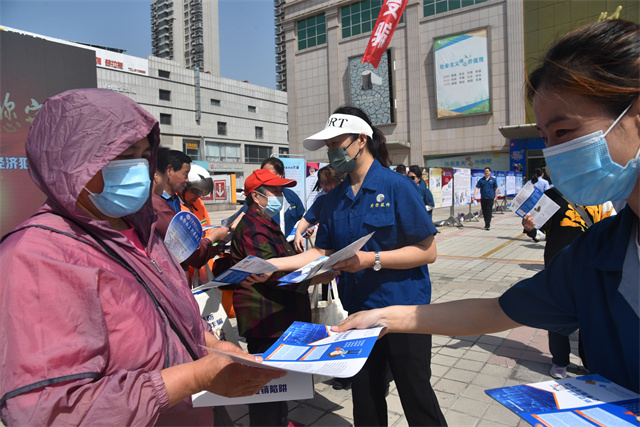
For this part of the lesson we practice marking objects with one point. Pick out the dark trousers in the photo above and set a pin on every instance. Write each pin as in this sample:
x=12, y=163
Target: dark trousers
x=487, y=207
x=560, y=349
x=270, y=413
x=409, y=357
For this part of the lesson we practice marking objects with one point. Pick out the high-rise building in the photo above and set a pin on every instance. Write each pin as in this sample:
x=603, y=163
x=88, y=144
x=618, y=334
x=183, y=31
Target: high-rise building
x=186, y=31
x=281, y=54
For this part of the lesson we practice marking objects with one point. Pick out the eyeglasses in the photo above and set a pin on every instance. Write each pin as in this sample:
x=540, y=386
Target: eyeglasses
x=412, y=176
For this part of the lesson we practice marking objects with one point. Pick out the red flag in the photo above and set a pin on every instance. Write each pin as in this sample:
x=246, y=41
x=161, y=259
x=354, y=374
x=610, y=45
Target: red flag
x=386, y=24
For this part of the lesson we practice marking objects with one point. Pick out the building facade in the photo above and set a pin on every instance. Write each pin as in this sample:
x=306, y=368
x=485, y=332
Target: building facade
x=325, y=41
x=186, y=31
x=229, y=124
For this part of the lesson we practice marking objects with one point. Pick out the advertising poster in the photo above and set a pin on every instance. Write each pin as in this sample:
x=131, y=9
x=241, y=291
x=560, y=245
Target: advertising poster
x=462, y=74
x=519, y=182
x=447, y=188
x=511, y=183
x=31, y=70
x=476, y=174
x=435, y=185
x=310, y=183
x=501, y=179
x=462, y=186
x=183, y=235
x=295, y=168
x=517, y=148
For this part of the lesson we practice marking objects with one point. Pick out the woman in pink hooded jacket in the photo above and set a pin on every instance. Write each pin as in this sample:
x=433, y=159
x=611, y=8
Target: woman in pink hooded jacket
x=97, y=322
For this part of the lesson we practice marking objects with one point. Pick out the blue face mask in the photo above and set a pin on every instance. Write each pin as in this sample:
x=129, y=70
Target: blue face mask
x=583, y=170
x=274, y=205
x=126, y=188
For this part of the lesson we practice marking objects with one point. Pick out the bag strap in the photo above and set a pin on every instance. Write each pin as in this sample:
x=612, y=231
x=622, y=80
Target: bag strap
x=581, y=211
x=116, y=257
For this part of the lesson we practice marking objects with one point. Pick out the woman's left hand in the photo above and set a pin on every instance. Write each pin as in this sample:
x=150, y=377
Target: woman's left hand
x=360, y=261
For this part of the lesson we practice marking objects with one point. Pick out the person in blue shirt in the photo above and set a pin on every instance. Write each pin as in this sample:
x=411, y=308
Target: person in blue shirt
x=538, y=181
x=415, y=174
x=586, y=99
x=294, y=207
x=390, y=269
x=488, y=195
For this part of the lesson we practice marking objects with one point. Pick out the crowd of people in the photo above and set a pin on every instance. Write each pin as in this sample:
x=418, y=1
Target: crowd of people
x=98, y=318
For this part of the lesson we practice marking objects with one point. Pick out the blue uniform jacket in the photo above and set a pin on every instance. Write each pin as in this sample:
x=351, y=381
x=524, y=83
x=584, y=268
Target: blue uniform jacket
x=388, y=204
x=579, y=289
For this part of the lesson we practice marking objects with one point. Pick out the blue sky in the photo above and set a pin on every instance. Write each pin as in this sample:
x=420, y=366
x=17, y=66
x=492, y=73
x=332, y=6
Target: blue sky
x=247, y=49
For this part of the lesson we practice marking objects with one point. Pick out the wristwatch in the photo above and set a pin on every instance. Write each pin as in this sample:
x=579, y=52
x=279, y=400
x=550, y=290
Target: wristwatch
x=377, y=265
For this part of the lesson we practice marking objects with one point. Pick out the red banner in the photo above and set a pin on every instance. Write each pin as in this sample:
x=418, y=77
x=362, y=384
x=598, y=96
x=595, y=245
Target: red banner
x=388, y=19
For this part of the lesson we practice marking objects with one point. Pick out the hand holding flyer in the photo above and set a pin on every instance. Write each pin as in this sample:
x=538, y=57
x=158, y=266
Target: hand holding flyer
x=531, y=200
x=324, y=264
x=245, y=268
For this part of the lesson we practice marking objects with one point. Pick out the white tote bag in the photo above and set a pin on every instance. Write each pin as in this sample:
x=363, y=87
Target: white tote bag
x=212, y=311
x=329, y=312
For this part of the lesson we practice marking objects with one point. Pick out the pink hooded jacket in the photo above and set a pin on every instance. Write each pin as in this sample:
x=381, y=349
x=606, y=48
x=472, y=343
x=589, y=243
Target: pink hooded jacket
x=81, y=340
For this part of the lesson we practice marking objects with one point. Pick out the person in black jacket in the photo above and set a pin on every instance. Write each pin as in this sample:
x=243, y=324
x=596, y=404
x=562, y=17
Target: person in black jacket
x=566, y=224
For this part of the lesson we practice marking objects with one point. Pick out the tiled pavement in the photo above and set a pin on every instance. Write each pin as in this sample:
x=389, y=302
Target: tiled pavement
x=472, y=263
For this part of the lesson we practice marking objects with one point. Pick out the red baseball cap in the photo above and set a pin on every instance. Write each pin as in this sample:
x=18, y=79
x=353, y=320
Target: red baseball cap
x=265, y=177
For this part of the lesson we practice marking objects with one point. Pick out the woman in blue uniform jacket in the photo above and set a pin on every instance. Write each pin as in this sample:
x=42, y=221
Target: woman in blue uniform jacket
x=586, y=98
x=390, y=269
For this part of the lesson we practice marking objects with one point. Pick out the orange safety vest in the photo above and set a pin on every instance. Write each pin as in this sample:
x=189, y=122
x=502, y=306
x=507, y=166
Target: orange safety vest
x=201, y=213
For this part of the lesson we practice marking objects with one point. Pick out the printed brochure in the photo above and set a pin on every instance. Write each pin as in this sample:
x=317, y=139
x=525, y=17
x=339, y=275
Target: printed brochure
x=324, y=264
x=315, y=349
x=239, y=272
x=590, y=400
x=533, y=201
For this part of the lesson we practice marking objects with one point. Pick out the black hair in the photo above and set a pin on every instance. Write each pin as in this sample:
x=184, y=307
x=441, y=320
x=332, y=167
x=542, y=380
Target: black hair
x=276, y=163
x=402, y=169
x=415, y=169
x=168, y=157
x=377, y=144
x=334, y=176
x=598, y=61
x=487, y=168
x=537, y=173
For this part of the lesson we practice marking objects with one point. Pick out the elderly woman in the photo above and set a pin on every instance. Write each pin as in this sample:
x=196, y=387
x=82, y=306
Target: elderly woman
x=586, y=97
x=265, y=310
x=96, y=317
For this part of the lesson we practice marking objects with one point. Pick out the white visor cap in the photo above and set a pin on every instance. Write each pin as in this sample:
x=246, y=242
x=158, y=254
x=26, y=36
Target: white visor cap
x=338, y=124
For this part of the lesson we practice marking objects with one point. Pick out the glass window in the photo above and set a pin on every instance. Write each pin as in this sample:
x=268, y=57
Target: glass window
x=433, y=7
x=283, y=150
x=192, y=148
x=215, y=102
x=312, y=32
x=252, y=109
x=165, y=95
x=222, y=128
x=165, y=119
x=361, y=17
x=256, y=153
x=164, y=74
x=259, y=133
x=222, y=152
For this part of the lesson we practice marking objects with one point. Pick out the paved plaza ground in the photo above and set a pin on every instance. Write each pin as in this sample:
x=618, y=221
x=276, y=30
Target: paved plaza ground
x=472, y=263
